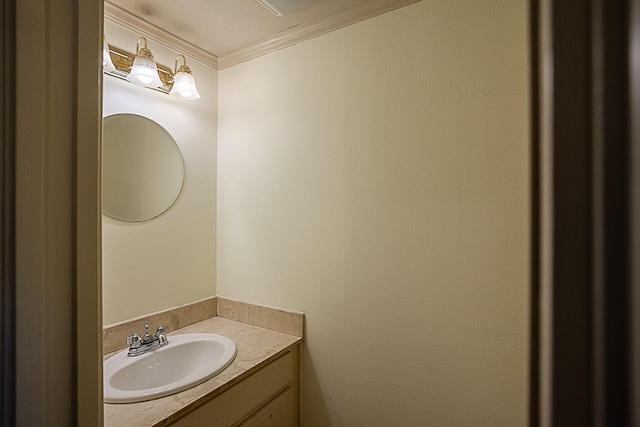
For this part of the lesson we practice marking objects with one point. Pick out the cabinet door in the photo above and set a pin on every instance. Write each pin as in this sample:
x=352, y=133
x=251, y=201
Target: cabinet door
x=280, y=412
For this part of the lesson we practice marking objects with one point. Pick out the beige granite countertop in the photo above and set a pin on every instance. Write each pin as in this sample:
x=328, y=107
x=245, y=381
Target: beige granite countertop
x=256, y=347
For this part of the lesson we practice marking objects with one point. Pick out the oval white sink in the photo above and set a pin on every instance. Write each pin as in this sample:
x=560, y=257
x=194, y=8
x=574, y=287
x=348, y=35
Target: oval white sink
x=188, y=360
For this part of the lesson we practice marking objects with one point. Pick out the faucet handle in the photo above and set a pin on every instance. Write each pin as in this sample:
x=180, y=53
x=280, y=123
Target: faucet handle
x=134, y=341
x=160, y=334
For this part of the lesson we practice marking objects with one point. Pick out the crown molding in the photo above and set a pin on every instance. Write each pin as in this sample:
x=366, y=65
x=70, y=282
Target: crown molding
x=119, y=16
x=361, y=11
x=342, y=18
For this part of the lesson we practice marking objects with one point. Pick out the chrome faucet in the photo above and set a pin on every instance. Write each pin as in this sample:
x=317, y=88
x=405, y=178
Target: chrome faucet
x=142, y=344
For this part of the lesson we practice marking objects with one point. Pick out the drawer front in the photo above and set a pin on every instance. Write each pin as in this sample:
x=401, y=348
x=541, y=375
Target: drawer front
x=242, y=399
x=280, y=412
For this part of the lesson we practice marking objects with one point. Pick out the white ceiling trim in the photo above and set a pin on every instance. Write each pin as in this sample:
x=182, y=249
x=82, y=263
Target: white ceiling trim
x=314, y=28
x=116, y=15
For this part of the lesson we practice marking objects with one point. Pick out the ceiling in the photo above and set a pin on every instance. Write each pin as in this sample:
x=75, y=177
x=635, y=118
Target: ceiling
x=223, y=26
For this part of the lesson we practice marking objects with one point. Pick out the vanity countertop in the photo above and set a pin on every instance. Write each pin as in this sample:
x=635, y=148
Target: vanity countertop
x=256, y=347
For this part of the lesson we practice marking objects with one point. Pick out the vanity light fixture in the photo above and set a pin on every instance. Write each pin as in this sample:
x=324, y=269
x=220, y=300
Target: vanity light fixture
x=141, y=69
x=107, y=63
x=184, y=85
x=144, y=71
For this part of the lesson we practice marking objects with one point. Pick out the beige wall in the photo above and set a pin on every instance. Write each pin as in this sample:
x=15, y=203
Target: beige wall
x=376, y=178
x=169, y=260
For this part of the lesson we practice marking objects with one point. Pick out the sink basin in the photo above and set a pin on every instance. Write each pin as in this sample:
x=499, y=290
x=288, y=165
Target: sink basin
x=188, y=360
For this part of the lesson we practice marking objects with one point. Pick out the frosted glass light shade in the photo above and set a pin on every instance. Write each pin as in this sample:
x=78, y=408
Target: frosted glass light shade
x=107, y=63
x=144, y=72
x=184, y=86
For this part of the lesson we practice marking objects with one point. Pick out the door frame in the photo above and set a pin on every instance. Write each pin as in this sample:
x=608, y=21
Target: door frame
x=585, y=204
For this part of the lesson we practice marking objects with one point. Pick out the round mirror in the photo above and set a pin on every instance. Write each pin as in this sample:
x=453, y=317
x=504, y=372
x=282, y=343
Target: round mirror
x=142, y=168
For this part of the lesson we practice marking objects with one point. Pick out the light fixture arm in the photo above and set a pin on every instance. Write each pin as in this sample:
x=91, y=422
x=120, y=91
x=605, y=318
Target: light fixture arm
x=143, y=51
x=183, y=68
x=141, y=39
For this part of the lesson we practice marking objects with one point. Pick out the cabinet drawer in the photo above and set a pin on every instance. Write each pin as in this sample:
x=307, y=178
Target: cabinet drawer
x=241, y=399
x=280, y=412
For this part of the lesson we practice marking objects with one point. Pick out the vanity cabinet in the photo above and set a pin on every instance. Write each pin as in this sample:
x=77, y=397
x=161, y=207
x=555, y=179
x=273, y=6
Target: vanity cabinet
x=266, y=397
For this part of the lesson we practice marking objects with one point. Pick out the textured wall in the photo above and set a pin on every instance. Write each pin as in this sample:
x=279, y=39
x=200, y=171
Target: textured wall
x=376, y=178
x=169, y=260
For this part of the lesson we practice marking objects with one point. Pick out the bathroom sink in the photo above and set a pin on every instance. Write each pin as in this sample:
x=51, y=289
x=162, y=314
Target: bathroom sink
x=188, y=360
